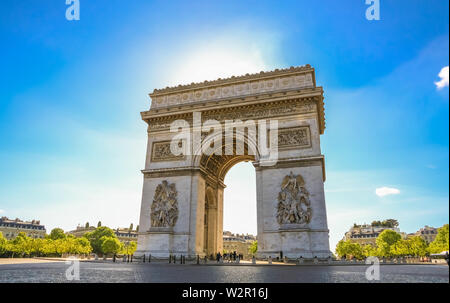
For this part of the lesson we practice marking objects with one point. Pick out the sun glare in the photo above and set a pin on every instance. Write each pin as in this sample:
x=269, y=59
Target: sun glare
x=222, y=58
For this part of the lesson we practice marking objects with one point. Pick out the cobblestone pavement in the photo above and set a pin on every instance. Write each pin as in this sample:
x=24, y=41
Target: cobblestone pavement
x=163, y=272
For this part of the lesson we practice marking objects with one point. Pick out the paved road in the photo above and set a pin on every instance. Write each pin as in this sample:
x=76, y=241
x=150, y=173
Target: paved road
x=132, y=272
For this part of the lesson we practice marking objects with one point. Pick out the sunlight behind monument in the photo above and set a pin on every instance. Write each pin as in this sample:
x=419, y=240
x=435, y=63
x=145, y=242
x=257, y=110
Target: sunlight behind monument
x=222, y=56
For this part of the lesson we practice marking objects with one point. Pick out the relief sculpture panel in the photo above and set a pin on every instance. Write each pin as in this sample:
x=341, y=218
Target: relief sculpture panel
x=294, y=206
x=164, y=209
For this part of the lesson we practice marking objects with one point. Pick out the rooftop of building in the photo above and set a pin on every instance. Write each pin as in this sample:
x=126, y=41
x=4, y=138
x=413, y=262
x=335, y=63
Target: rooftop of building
x=120, y=230
x=232, y=79
x=245, y=237
x=5, y=221
x=233, y=238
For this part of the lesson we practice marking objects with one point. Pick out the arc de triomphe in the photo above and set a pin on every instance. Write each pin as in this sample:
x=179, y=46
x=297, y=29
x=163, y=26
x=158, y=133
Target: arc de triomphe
x=182, y=200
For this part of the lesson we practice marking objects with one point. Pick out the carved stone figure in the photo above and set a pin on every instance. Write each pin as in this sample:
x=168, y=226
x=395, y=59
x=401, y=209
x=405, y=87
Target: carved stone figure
x=164, y=209
x=293, y=206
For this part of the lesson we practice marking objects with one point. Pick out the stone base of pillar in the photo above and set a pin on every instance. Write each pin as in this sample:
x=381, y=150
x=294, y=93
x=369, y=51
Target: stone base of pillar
x=294, y=244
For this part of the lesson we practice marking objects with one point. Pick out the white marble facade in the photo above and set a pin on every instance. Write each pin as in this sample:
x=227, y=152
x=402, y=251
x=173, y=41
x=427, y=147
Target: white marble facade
x=298, y=108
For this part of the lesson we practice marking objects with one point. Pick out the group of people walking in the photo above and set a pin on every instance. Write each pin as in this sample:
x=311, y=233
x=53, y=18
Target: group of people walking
x=229, y=256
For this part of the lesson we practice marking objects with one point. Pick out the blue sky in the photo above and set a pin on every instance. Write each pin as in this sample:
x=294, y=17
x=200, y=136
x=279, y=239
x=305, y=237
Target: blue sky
x=72, y=142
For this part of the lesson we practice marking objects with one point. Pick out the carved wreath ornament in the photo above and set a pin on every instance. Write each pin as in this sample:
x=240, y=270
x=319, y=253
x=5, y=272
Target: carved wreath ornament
x=164, y=209
x=293, y=206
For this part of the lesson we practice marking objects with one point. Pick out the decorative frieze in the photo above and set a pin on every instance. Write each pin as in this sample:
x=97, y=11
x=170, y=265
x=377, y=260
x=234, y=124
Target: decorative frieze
x=294, y=137
x=161, y=152
x=243, y=113
x=235, y=87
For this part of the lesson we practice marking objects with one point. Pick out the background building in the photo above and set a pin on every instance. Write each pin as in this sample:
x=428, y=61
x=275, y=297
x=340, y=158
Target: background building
x=125, y=235
x=427, y=233
x=80, y=231
x=239, y=243
x=11, y=228
x=368, y=233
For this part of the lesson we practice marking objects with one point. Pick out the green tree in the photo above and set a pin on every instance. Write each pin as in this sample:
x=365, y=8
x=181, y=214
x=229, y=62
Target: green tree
x=86, y=225
x=99, y=223
x=110, y=245
x=38, y=247
x=57, y=233
x=253, y=248
x=20, y=245
x=441, y=241
x=341, y=249
x=369, y=251
x=95, y=236
x=62, y=246
x=401, y=248
x=83, y=246
x=50, y=247
x=391, y=223
x=385, y=240
x=129, y=248
x=348, y=249
x=418, y=247
x=25, y=246
x=3, y=244
x=385, y=223
x=414, y=246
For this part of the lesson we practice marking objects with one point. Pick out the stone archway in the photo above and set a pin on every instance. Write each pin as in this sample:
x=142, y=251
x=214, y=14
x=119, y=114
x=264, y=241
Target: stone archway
x=182, y=201
x=215, y=168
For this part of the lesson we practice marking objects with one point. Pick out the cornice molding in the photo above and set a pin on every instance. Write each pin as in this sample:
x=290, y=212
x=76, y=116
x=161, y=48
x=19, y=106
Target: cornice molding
x=261, y=110
x=232, y=79
x=293, y=78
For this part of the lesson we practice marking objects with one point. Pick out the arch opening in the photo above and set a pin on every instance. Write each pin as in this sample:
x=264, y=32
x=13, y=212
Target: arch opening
x=215, y=168
x=239, y=210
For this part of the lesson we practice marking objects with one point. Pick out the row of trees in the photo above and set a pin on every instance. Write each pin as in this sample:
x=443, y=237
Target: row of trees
x=24, y=246
x=102, y=241
x=390, y=244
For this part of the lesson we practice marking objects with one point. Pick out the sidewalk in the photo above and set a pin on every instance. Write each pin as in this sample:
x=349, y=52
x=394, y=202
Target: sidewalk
x=4, y=261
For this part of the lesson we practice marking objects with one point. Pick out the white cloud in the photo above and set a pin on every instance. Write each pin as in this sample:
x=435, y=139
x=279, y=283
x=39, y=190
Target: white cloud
x=443, y=74
x=385, y=191
x=1, y=211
